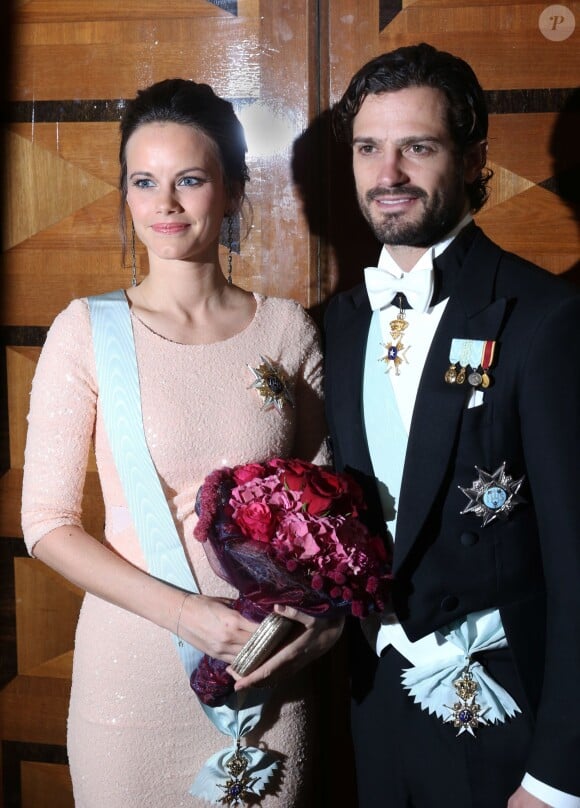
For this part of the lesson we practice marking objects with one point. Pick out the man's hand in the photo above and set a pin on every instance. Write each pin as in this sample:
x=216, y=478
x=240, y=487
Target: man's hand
x=523, y=799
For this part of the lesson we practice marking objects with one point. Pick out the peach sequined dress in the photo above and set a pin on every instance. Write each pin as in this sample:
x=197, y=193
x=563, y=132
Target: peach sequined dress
x=136, y=733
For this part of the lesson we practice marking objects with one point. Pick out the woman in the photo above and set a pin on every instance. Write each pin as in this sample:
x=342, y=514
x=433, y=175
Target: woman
x=137, y=736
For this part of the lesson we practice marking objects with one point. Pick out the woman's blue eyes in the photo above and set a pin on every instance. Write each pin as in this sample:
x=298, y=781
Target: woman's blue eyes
x=186, y=182
x=189, y=181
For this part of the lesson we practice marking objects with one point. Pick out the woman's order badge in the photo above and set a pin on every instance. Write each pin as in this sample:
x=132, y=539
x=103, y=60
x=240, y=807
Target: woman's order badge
x=273, y=385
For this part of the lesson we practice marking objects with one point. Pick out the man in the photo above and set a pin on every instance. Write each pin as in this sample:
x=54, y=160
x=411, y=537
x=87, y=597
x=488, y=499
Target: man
x=453, y=395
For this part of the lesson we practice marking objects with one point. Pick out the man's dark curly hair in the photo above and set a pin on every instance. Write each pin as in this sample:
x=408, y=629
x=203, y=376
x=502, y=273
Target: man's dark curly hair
x=424, y=66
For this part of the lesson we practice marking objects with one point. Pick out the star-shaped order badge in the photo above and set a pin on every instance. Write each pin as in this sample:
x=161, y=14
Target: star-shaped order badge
x=238, y=787
x=493, y=495
x=272, y=384
x=466, y=713
x=395, y=350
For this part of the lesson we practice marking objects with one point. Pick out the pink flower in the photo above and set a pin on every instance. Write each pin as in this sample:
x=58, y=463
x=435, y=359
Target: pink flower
x=295, y=538
x=285, y=500
x=258, y=490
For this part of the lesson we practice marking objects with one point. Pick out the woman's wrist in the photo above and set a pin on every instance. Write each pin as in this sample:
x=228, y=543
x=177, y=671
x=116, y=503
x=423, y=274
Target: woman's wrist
x=180, y=613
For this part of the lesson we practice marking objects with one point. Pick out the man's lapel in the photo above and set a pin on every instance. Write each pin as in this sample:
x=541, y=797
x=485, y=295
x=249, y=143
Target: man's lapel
x=353, y=337
x=471, y=313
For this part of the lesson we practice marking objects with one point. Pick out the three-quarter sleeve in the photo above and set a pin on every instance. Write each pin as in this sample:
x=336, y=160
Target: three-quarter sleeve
x=60, y=427
x=311, y=433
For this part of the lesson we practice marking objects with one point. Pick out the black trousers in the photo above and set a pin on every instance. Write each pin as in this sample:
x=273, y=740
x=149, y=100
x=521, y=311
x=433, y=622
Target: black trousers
x=406, y=758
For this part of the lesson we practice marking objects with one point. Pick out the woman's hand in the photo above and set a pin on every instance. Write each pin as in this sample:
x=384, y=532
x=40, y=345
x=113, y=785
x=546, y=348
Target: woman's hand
x=210, y=624
x=214, y=627
x=311, y=638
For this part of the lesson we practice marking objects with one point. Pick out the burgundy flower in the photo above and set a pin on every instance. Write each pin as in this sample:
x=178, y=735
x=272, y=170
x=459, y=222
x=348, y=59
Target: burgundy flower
x=211, y=682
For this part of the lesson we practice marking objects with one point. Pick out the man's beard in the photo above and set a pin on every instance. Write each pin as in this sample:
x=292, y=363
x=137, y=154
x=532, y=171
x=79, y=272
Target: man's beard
x=441, y=212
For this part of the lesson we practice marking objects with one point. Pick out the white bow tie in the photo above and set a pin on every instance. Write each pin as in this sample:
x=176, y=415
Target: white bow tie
x=382, y=288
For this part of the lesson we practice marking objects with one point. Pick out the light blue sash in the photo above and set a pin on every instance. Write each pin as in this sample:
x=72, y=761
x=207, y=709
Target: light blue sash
x=120, y=402
x=386, y=434
x=429, y=684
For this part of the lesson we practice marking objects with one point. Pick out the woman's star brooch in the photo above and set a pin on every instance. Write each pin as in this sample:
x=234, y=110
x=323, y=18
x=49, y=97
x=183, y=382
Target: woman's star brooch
x=272, y=384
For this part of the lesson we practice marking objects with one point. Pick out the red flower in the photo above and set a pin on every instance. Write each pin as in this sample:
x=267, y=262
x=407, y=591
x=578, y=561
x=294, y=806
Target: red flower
x=251, y=471
x=293, y=473
x=322, y=490
x=256, y=521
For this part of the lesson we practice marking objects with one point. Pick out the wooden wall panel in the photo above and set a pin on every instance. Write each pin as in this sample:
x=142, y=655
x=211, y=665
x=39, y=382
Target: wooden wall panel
x=40, y=595
x=67, y=97
x=45, y=785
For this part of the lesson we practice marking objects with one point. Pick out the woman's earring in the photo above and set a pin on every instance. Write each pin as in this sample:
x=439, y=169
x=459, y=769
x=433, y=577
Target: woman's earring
x=230, y=248
x=133, y=257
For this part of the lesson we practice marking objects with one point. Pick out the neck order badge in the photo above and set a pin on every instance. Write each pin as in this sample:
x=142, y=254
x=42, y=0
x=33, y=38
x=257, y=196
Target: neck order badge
x=395, y=350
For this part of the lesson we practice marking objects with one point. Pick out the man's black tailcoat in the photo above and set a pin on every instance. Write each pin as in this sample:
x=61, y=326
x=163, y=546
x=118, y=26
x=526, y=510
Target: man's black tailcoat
x=445, y=563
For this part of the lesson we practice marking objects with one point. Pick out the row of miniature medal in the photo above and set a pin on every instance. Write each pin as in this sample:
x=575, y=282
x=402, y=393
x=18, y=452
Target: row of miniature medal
x=475, y=354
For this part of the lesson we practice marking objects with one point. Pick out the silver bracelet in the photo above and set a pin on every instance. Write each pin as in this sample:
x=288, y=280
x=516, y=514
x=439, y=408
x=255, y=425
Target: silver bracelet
x=187, y=595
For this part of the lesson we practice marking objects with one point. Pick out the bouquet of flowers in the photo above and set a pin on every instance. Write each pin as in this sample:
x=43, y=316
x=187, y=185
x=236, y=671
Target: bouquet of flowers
x=287, y=532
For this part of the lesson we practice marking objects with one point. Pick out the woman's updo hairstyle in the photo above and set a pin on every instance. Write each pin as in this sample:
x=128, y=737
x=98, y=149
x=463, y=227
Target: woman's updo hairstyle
x=191, y=104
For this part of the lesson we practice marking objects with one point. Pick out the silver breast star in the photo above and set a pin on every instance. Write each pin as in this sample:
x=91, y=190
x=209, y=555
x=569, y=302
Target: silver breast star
x=493, y=495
